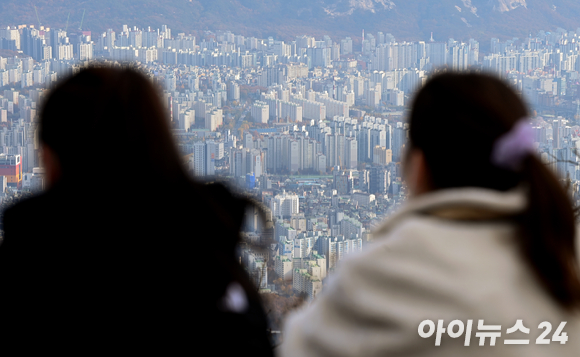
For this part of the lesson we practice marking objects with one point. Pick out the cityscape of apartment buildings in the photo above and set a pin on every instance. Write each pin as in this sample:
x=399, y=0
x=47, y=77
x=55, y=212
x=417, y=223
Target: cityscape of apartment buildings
x=313, y=129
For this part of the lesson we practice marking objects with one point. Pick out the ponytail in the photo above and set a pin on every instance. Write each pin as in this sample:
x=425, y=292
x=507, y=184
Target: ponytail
x=547, y=234
x=485, y=110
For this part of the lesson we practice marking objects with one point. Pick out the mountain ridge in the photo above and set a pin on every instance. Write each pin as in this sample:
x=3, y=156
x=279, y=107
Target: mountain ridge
x=405, y=19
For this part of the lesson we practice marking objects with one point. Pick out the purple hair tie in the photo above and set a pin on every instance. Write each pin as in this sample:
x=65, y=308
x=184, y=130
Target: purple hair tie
x=512, y=147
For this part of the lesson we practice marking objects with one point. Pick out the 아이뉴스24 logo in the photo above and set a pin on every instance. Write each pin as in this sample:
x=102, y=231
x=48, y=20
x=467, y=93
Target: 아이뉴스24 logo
x=457, y=328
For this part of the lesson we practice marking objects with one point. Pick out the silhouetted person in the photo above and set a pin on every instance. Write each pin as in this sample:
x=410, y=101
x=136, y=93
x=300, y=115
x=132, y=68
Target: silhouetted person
x=123, y=252
x=487, y=236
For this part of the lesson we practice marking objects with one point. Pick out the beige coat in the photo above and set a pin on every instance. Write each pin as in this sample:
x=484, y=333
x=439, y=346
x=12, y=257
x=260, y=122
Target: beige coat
x=425, y=267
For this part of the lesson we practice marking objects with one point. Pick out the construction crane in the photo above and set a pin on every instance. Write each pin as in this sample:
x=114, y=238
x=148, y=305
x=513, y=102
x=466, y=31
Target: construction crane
x=82, y=19
x=68, y=17
x=37, y=18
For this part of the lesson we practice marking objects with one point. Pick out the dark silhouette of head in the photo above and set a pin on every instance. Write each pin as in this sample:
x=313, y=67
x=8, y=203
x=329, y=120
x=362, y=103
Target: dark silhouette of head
x=105, y=124
x=108, y=129
x=455, y=121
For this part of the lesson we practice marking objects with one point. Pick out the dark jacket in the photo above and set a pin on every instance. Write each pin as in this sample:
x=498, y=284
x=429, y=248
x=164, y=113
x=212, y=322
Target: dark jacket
x=129, y=271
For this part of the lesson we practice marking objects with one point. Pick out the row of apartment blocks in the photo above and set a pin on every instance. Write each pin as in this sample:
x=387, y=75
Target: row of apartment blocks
x=27, y=72
x=246, y=53
x=48, y=71
x=45, y=43
x=402, y=64
x=422, y=55
x=342, y=142
x=340, y=236
x=184, y=109
x=380, y=87
x=306, y=259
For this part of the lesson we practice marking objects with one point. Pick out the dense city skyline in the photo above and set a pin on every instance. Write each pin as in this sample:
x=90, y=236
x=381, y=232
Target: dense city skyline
x=314, y=128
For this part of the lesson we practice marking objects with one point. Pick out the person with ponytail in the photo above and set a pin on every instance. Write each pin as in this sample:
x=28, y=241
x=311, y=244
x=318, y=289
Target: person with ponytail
x=487, y=239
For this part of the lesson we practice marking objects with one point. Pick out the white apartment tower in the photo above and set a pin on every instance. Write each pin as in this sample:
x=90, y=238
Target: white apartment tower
x=284, y=205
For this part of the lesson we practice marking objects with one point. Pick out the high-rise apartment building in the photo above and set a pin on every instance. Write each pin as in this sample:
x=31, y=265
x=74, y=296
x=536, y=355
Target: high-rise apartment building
x=284, y=205
x=204, y=158
x=260, y=112
x=11, y=168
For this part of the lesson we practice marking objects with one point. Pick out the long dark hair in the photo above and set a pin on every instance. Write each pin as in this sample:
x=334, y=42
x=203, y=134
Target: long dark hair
x=103, y=122
x=455, y=120
x=108, y=129
x=110, y=118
